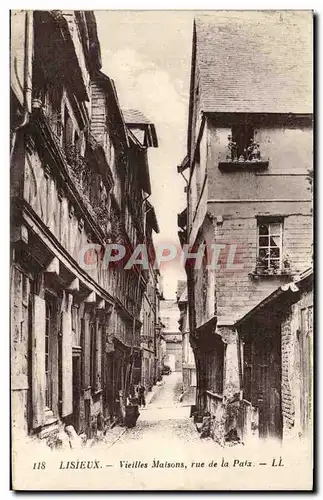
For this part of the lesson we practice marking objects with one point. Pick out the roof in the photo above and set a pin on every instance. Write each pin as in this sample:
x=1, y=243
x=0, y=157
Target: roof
x=112, y=91
x=135, y=117
x=288, y=290
x=143, y=129
x=94, y=45
x=255, y=61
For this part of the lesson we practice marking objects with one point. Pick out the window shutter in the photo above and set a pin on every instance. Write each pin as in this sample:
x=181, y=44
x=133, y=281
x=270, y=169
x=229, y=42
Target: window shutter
x=99, y=357
x=38, y=361
x=86, y=351
x=67, y=364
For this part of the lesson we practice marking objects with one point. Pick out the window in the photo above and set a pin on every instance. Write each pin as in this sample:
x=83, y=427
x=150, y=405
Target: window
x=68, y=129
x=270, y=235
x=75, y=326
x=96, y=355
x=205, y=276
x=52, y=108
x=242, y=136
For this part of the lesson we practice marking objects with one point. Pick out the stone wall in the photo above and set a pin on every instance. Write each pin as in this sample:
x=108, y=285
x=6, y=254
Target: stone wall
x=297, y=367
x=288, y=369
x=237, y=291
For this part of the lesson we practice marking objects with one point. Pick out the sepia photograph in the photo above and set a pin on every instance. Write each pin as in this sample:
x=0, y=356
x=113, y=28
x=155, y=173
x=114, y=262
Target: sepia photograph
x=161, y=250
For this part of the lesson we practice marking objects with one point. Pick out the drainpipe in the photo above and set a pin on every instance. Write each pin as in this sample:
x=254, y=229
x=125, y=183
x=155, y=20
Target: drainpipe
x=27, y=77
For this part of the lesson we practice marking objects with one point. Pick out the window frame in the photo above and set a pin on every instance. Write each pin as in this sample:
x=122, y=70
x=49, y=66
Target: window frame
x=269, y=221
x=96, y=327
x=243, y=129
x=49, y=326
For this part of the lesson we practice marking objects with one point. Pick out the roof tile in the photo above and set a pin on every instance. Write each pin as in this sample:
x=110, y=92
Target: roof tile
x=255, y=61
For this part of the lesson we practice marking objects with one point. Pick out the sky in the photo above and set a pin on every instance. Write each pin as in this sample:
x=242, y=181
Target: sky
x=148, y=55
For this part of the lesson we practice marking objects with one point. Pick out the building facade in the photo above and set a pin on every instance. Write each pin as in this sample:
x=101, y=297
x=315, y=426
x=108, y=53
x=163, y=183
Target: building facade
x=278, y=333
x=172, y=335
x=150, y=333
x=79, y=182
x=248, y=159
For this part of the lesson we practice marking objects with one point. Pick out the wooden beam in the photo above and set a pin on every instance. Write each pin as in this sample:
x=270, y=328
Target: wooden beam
x=20, y=233
x=53, y=266
x=74, y=286
x=91, y=298
x=101, y=304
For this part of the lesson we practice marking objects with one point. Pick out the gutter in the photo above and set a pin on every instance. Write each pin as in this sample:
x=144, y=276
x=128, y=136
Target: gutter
x=27, y=77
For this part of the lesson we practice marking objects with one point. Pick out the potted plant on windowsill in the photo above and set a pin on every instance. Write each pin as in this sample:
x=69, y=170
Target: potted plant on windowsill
x=286, y=263
x=253, y=151
x=263, y=269
x=287, y=266
x=232, y=149
x=261, y=266
x=273, y=269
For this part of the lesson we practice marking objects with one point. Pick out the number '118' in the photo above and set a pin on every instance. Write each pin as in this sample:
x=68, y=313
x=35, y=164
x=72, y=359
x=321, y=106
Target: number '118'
x=39, y=465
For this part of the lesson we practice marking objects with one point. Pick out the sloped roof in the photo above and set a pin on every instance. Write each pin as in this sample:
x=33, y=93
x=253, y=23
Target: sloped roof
x=255, y=61
x=136, y=122
x=288, y=290
x=135, y=117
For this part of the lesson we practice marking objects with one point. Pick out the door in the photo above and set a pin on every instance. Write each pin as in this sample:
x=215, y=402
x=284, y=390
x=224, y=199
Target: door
x=268, y=359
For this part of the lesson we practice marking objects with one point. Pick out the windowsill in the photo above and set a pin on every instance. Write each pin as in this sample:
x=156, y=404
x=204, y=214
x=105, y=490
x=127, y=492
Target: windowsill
x=231, y=165
x=264, y=274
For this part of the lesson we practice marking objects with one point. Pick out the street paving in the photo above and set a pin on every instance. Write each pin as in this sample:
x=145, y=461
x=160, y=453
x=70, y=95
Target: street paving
x=165, y=438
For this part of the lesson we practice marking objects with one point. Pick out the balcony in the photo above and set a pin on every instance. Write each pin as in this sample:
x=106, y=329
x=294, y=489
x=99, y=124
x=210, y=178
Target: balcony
x=243, y=158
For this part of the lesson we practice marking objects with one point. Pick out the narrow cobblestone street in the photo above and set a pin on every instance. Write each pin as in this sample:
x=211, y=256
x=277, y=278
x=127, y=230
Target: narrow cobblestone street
x=165, y=419
x=165, y=438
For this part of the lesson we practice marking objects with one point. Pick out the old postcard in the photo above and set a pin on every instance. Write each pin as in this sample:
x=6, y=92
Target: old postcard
x=161, y=294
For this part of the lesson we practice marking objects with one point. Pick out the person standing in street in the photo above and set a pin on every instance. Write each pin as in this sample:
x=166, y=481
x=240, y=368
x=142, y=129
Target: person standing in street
x=141, y=395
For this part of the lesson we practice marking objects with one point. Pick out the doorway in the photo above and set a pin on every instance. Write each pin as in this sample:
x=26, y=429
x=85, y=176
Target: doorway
x=268, y=359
